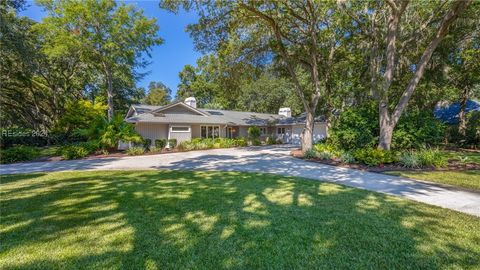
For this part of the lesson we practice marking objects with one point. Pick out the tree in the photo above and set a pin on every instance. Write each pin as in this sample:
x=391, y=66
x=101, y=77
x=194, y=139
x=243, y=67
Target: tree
x=399, y=38
x=303, y=36
x=158, y=94
x=110, y=37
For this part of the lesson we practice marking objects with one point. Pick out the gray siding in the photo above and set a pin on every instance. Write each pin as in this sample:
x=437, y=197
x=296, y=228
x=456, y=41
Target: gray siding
x=152, y=131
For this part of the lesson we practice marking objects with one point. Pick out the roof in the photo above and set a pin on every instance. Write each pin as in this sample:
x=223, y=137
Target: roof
x=449, y=113
x=152, y=114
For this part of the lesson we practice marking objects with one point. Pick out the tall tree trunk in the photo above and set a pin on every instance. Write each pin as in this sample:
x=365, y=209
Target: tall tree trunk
x=108, y=73
x=462, y=126
x=307, y=133
x=458, y=7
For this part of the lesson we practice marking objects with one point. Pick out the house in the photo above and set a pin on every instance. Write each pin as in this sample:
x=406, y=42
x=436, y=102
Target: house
x=449, y=112
x=183, y=121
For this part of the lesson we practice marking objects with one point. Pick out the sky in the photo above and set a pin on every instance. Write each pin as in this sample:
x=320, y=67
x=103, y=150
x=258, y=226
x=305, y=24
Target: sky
x=167, y=59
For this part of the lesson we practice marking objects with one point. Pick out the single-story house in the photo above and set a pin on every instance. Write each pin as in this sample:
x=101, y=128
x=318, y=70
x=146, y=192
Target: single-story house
x=449, y=112
x=183, y=121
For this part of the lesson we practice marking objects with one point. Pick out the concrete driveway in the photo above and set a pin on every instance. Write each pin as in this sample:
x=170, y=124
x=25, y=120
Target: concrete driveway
x=274, y=160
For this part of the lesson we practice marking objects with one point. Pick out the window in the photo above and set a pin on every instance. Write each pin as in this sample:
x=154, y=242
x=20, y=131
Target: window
x=179, y=129
x=209, y=131
x=281, y=131
x=263, y=130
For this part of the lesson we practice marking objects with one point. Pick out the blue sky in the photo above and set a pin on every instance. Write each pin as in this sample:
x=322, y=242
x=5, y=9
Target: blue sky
x=167, y=59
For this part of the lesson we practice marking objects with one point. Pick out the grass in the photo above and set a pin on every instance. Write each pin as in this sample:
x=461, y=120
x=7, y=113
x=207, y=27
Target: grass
x=467, y=179
x=218, y=220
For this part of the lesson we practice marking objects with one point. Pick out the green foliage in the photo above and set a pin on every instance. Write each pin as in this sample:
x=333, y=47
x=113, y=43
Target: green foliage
x=310, y=154
x=79, y=114
x=160, y=143
x=109, y=133
x=74, y=151
x=18, y=154
x=256, y=142
x=270, y=140
x=155, y=149
x=356, y=128
x=324, y=155
x=254, y=132
x=209, y=143
x=472, y=133
x=147, y=143
x=135, y=150
x=172, y=143
x=158, y=94
x=423, y=158
x=326, y=148
x=418, y=129
x=347, y=157
x=374, y=156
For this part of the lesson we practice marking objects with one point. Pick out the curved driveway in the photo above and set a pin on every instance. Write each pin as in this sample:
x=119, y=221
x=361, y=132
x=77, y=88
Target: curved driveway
x=274, y=160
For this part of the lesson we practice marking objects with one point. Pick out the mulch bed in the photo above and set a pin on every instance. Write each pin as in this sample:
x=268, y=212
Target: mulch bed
x=452, y=165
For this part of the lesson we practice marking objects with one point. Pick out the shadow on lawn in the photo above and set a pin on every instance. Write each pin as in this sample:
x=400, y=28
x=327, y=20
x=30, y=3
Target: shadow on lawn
x=217, y=220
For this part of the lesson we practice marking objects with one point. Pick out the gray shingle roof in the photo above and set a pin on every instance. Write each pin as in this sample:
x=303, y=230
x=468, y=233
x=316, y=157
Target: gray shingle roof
x=144, y=114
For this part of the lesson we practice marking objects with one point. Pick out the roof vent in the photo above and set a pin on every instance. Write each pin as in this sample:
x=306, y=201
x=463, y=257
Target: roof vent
x=191, y=101
x=287, y=112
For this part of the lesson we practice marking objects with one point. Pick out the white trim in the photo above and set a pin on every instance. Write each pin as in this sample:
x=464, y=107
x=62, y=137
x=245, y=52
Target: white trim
x=189, y=129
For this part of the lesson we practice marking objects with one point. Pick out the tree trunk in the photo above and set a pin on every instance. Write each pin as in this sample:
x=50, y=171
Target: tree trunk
x=307, y=133
x=109, y=92
x=462, y=126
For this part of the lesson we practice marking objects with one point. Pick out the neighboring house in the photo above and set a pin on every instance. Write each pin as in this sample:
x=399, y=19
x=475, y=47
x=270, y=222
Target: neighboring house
x=184, y=121
x=448, y=113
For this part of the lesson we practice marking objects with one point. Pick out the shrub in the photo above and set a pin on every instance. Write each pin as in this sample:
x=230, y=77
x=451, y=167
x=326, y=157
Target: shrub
x=240, y=142
x=431, y=157
x=18, y=154
x=329, y=148
x=254, y=132
x=347, y=157
x=109, y=133
x=279, y=141
x=310, y=154
x=160, y=143
x=147, y=143
x=374, y=156
x=186, y=146
x=133, y=151
x=270, y=140
x=256, y=142
x=324, y=155
x=423, y=158
x=409, y=159
x=172, y=143
x=155, y=149
x=417, y=129
x=472, y=134
x=74, y=151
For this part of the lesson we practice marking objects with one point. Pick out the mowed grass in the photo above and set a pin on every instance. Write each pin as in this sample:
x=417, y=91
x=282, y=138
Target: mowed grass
x=462, y=156
x=466, y=179
x=221, y=220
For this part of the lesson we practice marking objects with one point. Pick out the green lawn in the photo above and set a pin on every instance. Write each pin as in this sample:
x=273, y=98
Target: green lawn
x=466, y=179
x=214, y=220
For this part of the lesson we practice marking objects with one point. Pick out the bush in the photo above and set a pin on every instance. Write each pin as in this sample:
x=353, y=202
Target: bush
x=256, y=142
x=18, y=154
x=409, y=159
x=240, y=142
x=279, y=141
x=472, y=134
x=310, y=154
x=155, y=149
x=160, y=143
x=147, y=143
x=270, y=140
x=374, y=156
x=133, y=151
x=74, y=151
x=186, y=146
x=423, y=158
x=254, y=132
x=324, y=155
x=347, y=157
x=417, y=129
x=109, y=133
x=172, y=143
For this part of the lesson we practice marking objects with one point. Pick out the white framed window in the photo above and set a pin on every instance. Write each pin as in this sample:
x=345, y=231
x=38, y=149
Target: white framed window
x=209, y=131
x=179, y=129
x=281, y=131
